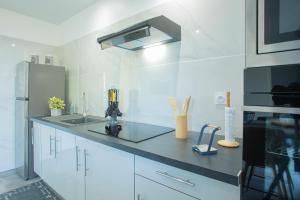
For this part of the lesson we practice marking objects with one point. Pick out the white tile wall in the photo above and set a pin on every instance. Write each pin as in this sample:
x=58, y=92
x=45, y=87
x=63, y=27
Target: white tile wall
x=9, y=57
x=209, y=58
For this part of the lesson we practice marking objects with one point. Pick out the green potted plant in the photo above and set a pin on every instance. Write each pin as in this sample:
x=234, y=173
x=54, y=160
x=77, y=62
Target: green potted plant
x=56, y=105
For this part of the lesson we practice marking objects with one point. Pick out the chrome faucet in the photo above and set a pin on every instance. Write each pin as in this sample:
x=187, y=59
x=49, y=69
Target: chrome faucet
x=84, y=109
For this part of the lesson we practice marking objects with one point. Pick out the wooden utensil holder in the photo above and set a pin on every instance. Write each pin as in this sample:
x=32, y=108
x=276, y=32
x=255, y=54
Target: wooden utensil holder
x=181, y=127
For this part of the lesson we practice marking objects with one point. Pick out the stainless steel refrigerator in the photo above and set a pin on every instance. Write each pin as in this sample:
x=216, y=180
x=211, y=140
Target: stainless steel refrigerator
x=34, y=85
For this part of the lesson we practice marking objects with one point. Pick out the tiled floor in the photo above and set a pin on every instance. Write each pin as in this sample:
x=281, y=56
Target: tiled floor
x=10, y=180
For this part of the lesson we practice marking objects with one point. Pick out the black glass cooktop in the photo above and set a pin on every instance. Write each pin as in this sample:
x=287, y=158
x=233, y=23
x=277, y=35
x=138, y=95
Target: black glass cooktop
x=131, y=131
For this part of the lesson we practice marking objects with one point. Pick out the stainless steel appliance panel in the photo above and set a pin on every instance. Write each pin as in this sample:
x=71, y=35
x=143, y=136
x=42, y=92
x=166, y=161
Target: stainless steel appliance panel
x=35, y=84
x=253, y=58
x=21, y=137
x=277, y=86
x=271, y=155
x=278, y=25
x=21, y=81
x=271, y=133
x=44, y=81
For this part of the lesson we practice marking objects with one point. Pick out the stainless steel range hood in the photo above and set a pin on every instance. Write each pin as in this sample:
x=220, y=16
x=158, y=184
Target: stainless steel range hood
x=152, y=32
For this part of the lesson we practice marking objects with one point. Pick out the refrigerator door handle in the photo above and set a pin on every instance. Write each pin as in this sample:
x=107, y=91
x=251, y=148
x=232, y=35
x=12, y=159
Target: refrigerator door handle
x=22, y=98
x=32, y=136
x=77, y=158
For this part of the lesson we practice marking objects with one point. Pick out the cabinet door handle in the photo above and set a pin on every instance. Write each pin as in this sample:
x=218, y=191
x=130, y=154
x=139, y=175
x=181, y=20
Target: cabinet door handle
x=77, y=158
x=85, y=162
x=32, y=135
x=51, y=140
x=139, y=197
x=167, y=175
x=50, y=146
x=55, y=146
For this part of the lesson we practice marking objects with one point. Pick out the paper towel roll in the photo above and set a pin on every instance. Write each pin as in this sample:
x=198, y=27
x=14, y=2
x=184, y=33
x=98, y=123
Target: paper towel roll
x=229, y=124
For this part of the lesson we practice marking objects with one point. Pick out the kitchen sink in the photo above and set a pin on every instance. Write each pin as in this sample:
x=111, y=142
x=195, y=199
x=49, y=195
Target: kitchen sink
x=82, y=120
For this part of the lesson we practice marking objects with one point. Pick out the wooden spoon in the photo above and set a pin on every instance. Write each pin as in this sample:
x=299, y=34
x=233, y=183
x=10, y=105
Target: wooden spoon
x=186, y=105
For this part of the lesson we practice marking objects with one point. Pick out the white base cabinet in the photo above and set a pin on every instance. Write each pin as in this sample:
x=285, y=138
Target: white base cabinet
x=55, y=160
x=149, y=190
x=109, y=173
x=194, y=185
x=80, y=169
x=48, y=162
x=66, y=183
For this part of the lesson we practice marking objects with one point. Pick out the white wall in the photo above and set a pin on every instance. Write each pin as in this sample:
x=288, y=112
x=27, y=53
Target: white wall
x=204, y=62
x=94, y=17
x=102, y=14
x=34, y=36
x=12, y=52
x=27, y=28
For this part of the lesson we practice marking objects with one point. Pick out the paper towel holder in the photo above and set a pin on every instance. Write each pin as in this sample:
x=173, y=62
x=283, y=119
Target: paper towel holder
x=224, y=143
x=206, y=149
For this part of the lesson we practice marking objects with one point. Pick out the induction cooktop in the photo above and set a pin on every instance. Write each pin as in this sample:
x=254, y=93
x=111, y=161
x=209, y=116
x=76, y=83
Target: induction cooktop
x=132, y=131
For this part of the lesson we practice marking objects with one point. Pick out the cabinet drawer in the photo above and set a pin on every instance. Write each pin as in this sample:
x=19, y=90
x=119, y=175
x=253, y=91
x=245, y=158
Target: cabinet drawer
x=192, y=184
x=146, y=189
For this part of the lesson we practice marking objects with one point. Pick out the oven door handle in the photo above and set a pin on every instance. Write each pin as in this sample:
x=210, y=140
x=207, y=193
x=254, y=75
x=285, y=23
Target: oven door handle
x=281, y=110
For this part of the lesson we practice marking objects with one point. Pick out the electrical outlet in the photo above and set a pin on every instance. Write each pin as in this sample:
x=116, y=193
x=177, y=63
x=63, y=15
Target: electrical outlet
x=220, y=98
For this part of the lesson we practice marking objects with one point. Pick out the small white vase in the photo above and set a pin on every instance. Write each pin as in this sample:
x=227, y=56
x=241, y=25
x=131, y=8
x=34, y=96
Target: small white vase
x=56, y=112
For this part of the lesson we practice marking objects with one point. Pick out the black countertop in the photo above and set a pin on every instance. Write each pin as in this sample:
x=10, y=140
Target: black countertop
x=225, y=166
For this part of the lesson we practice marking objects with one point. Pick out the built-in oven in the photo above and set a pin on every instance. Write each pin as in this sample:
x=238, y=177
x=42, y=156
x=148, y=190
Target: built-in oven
x=271, y=133
x=272, y=32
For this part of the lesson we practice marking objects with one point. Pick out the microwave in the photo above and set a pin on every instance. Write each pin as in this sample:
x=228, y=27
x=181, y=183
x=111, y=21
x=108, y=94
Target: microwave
x=272, y=32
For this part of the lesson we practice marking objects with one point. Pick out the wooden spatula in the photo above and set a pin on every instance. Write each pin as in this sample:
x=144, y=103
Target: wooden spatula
x=185, y=106
x=228, y=99
x=173, y=103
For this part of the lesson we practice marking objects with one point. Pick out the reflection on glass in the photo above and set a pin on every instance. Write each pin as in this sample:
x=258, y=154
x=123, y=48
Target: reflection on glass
x=271, y=156
x=288, y=11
